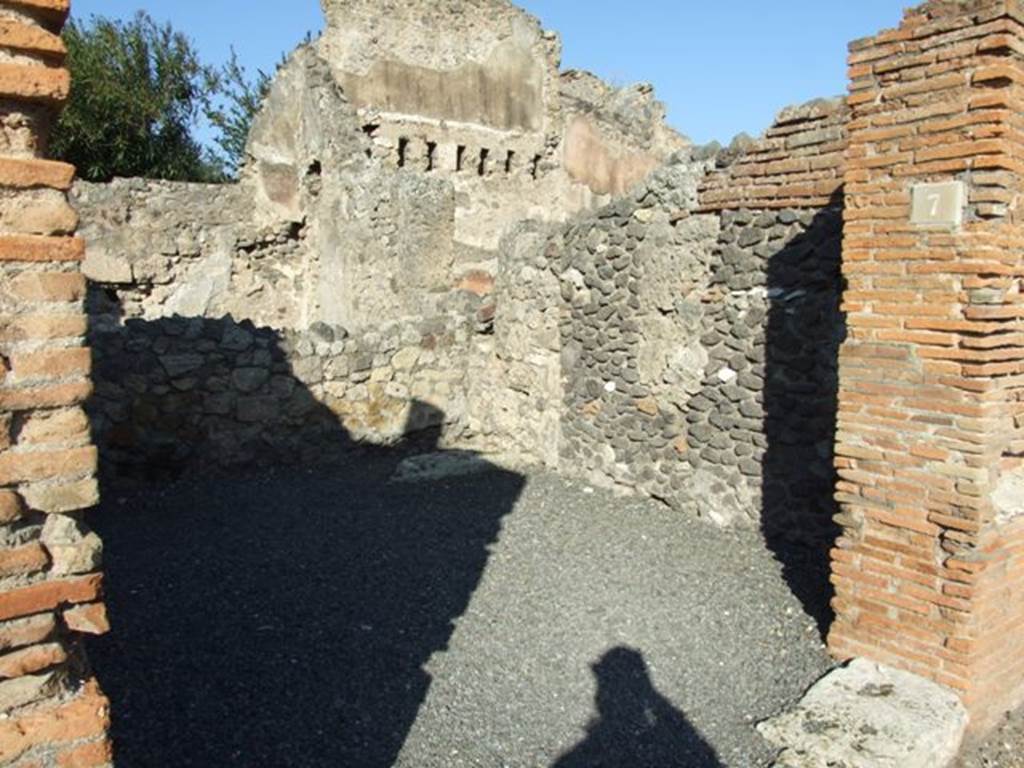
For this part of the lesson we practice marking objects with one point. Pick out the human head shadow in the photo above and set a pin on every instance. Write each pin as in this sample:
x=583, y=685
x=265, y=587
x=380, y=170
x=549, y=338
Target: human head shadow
x=280, y=610
x=805, y=329
x=635, y=725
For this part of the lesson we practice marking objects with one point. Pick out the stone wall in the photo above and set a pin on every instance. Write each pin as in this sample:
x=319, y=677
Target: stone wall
x=612, y=137
x=50, y=585
x=763, y=421
x=473, y=91
x=701, y=332
x=167, y=248
x=484, y=63
x=176, y=394
x=629, y=275
x=337, y=207
x=352, y=215
x=163, y=248
x=515, y=379
x=715, y=324
x=314, y=231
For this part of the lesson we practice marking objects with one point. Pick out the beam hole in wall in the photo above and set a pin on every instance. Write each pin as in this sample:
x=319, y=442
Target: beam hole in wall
x=509, y=159
x=431, y=154
x=370, y=130
x=535, y=167
x=403, y=150
x=460, y=157
x=481, y=169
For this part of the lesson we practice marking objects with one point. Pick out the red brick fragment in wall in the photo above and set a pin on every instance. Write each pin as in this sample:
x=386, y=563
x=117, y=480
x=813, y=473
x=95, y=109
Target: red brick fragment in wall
x=477, y=281
x=91, y=755
x=20, y=173
x=85, y=716
x=90, y=619
x=11, y=507
x=29, y=37
x=35, y=658
x=30, y=630
x=59, y=8
x=34, y=83
x=47, y=595
x=40, y=248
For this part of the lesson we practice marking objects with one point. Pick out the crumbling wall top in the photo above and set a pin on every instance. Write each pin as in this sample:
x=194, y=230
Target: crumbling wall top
x=797, y=163
x=481, y=62
x=441, y=34
x=632, y=113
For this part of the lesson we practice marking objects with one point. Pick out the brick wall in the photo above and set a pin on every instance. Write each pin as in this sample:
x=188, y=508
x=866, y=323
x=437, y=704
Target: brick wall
x=54, y=714
x=929, y=570
x=798, y=163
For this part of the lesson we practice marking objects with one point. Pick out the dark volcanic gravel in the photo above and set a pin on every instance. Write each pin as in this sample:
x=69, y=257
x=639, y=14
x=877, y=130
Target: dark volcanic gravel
x=311, y=619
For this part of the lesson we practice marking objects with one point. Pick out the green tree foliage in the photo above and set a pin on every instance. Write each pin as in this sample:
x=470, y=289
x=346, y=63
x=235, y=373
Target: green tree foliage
x=232, y=116
x=137, y=91
x=238, y=100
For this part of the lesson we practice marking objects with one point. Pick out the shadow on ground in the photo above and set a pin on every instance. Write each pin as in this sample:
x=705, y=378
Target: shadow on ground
x=635, y=725
x=260, y=620
x=281, y=624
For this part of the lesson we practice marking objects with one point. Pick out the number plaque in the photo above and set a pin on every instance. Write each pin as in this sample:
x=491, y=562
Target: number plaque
x=938, y=205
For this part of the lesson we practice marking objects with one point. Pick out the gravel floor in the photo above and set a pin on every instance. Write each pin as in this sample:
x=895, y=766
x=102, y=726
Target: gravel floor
x=1004, y=748
x=312, y=619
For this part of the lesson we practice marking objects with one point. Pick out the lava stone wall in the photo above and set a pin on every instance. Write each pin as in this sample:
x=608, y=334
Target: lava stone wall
x=631, y=277
x=700, y=333
x=762, y=425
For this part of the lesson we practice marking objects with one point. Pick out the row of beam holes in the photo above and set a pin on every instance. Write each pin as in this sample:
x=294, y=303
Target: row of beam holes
x=484, y=159
x=460, y=156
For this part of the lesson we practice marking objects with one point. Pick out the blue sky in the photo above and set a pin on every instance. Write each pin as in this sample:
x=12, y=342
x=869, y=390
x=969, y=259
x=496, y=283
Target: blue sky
x=721, y=68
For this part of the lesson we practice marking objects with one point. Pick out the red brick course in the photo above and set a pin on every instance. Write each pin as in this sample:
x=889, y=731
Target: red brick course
x=797, y=164
x=34, y=248
x=34, y=83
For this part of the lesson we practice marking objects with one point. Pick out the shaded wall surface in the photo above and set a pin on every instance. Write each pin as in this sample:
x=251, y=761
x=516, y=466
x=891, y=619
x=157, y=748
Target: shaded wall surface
x=181, y=393
x=50, y=584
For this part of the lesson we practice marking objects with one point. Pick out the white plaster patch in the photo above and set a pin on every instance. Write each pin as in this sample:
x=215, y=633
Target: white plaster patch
x=1008, y=497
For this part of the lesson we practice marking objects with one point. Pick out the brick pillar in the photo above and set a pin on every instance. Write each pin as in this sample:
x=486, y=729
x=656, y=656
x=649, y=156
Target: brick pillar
x=53, y=712
x=929, y=570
